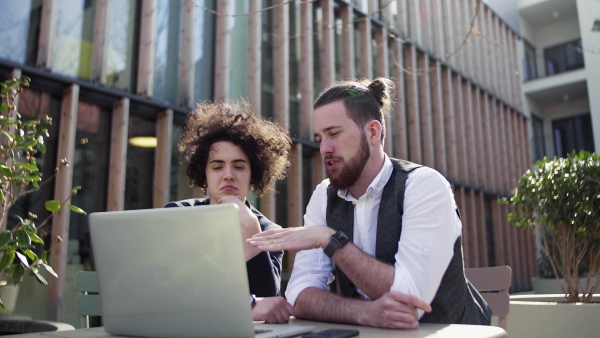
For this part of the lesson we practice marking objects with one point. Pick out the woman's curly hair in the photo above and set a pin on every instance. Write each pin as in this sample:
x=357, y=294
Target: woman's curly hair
x=266, y=144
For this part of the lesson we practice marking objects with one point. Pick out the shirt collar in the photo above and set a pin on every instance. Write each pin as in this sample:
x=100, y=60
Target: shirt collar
x=377, y=184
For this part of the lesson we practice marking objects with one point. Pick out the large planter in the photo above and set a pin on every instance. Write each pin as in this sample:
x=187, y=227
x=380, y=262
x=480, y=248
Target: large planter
x=550, y=316
x=544, y=286
x=18, y=326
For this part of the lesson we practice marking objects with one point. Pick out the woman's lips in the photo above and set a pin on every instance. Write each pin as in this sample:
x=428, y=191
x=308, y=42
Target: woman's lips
x=228, y=188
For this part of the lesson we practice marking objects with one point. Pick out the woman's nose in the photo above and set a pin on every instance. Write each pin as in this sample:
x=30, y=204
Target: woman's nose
x=228, y=174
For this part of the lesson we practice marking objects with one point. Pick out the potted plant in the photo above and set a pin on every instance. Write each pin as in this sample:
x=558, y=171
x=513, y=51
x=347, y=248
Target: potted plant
x=22, y=245
x=560, y=199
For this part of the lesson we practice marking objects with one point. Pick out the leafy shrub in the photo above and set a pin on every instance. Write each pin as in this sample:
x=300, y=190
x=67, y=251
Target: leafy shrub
x=562, y=197
x=20, y=140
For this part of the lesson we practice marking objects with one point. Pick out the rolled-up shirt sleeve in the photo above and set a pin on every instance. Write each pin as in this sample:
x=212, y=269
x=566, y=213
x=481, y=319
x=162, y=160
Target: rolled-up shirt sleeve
x=312, y=268
x=430, y=227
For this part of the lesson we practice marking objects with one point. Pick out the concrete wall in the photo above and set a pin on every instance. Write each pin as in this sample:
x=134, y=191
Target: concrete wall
x=588, y=10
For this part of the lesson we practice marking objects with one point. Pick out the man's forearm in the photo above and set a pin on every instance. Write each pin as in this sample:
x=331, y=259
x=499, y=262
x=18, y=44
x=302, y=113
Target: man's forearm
x=322, y=305
x=370, y=275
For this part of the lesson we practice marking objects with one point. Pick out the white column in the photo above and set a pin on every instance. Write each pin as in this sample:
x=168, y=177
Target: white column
x=100, y=42
x=222, y=50
x=187, y=68
x=145, y=77
x=47, y=34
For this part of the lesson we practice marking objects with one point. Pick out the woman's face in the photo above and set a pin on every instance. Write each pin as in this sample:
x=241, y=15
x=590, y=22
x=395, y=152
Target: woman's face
x=227, y=171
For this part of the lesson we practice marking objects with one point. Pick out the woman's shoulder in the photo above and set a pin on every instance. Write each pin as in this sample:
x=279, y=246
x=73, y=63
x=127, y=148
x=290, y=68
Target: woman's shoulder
x=188, y=203
x=265, y=223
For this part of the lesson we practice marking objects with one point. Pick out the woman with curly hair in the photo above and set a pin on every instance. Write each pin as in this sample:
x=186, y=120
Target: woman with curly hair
x=230, y=152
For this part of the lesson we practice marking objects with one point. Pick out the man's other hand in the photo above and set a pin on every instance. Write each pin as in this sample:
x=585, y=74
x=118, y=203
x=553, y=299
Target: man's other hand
x=394, y=310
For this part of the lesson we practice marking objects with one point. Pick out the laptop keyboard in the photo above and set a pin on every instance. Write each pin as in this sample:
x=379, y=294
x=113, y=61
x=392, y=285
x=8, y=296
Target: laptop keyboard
x=259, y=331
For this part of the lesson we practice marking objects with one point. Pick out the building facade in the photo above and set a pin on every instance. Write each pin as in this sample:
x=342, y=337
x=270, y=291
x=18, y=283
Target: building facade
x=109, y=71
x=561, y=74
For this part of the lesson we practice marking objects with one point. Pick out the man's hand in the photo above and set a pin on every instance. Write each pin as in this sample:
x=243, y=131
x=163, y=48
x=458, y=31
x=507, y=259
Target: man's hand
x=394, y=310
x=292, y=239
x=273, y=310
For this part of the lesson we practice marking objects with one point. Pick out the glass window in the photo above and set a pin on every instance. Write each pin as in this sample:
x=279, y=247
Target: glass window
x=530, y=64
x=166, y=54
x=120, y=45
x=90, y=171
x=204, y=28
x=139, y=176
x=19, y=29
x=539, y=145
x=563, y=58
x=573, y=133
x=74, y=38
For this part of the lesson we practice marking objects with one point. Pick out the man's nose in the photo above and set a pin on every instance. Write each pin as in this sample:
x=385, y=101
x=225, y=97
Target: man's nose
x=326, y=147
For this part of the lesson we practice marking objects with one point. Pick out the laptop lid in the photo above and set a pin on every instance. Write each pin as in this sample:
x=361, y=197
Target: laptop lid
x=176, y=272
x=172, y=272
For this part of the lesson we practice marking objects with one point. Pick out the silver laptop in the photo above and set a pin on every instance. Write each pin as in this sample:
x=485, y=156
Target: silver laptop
x=176, y=272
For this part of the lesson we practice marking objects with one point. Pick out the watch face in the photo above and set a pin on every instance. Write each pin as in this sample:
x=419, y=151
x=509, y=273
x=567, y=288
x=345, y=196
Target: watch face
x=340, y=236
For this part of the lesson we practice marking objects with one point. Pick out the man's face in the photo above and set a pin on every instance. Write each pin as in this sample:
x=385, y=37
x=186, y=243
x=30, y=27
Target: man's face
x=343, y=144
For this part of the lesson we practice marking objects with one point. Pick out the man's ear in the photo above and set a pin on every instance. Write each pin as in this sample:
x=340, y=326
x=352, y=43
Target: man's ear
x=373, y=130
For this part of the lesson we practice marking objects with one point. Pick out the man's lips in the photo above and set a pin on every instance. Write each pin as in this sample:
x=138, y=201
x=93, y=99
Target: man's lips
x=331, y=163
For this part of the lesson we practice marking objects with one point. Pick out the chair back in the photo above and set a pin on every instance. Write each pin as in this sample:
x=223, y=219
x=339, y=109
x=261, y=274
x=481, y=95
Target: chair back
x=493, y=284
x=88, y=302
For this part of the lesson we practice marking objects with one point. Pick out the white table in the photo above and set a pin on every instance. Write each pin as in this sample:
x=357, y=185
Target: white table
x=424, y=330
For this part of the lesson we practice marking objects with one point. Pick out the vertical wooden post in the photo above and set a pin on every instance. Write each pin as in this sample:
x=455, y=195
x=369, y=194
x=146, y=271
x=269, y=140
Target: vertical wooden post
x=413, y=109
x=145, y=77
x=383, y=70
x=366, y=48
x=449, y=124
x=62, y=192
x=437, y=108
x=222, y=50
x=99, y=59
x=254, y=56
x=118, y=155
x=281, y=57
x=47, y=34
x=187, y=66
x=400, y=128
x=327, y=51
x=347, y=42
x=426, y=124
x=162, y=158
x=306, y=69
x=295, y=196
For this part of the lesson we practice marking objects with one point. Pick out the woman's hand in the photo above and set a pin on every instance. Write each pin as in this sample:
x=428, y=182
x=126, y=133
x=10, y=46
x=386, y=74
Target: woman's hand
x=273, y=310
x=248, y=222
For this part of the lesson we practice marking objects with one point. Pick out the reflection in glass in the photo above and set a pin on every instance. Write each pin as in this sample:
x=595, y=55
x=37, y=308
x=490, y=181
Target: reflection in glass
x=19, y=29
x=166, y=55
x=139, y=174
x=119, y=53
x=203, y=50
x=74, y=37
x=90, y=172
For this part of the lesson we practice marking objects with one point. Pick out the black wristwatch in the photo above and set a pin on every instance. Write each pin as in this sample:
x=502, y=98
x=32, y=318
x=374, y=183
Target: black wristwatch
x=338, y=240
x=252, y=301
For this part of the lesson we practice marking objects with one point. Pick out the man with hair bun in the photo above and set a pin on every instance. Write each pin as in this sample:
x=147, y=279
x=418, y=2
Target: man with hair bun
x=388, y=229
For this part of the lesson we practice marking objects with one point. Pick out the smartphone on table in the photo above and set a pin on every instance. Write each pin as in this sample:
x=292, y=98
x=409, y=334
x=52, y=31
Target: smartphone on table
x=332, y=333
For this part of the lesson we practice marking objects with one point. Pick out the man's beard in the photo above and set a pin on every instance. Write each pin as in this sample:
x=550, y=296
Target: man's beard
x=349, y=173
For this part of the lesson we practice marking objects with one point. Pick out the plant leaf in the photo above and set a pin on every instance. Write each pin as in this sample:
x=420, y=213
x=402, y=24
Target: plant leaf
x=30, y=254
x=9, y=136
x=23, y=238
x=23, y=259
x=50, y=270
x=40, y=278
x=7, y=259
x=18, y=273
x=77, y=209
x=5, y=171
x=5, y=237
x=29, y=166
x=52, y=205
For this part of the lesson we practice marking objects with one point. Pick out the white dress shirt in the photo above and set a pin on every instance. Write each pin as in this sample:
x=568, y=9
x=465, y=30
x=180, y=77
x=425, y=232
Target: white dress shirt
x=430, y=227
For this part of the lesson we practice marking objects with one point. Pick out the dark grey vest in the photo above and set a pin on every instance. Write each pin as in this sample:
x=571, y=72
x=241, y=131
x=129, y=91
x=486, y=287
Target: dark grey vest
x=456, y=301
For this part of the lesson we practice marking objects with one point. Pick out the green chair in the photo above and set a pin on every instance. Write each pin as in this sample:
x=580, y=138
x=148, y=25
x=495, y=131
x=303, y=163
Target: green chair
x=88, y=302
